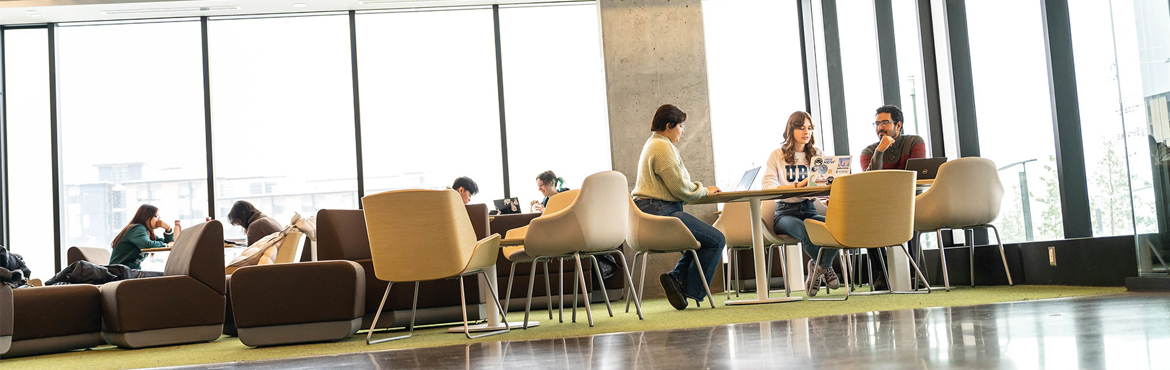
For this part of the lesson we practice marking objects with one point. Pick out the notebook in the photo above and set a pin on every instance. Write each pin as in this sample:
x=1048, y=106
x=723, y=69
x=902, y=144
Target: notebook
x=823, y=170
x=749, y=178
x=508, y=205
x=927, y=168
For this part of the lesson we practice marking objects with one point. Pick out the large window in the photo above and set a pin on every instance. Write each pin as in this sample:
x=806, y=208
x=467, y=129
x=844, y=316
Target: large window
x=430, y=106
x=1013, y=109
x=910, y=81
x=753, y=87
x=139, y=89
x=554, y=82
x=861, y=73
x=30, y=185
x=282, y=114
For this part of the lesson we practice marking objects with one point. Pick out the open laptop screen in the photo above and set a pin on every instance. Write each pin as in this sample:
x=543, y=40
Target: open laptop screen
x=748, y=179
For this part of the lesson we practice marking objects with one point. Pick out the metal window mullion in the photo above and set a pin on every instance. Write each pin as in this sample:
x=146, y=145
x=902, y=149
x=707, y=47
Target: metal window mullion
x=930, y=78
x=55, y=146
x=1066, y=120
x=887, y=52
x=357, y=109
x=500, y=96
x=207, y=121
x=966, y=124
x=836, y=77
x=4, y=235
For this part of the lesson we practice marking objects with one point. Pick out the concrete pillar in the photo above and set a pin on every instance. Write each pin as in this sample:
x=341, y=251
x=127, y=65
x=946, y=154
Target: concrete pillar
x=655, y=54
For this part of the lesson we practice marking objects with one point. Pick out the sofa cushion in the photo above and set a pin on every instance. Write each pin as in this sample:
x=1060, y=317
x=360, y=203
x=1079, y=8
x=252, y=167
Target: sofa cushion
x=298, y=293
x=199, y=256
x=55, y=311
x=341, y=235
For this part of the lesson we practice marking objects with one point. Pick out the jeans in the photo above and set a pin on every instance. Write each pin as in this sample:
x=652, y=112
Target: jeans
x=790, y=220
x=711, y=242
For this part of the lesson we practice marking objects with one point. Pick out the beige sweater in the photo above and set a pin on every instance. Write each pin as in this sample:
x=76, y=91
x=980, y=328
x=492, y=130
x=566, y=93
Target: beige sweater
x=662, y=175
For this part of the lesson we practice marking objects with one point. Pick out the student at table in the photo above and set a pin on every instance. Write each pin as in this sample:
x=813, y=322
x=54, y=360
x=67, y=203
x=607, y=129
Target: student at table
x=256, y=225
x=548, y=184
x=788, y=168
x=138, y=235
x=891, y=152
x=466, y=188
x=662, y=187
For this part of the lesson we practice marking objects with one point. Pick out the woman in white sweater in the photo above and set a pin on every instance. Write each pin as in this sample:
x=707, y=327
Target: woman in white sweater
x=663, y=186
x=788, y=168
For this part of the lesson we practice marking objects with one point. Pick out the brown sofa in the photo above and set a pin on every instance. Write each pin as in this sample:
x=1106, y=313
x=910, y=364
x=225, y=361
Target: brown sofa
x=298, y=302
x=54, y=319
x=186, y=305
x=500, y=224
x=5, y=318
x=341, y=235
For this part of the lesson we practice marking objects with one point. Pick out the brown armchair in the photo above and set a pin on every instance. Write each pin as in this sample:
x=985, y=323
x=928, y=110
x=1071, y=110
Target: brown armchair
x=52, y=319
x=342, y=235
x=186, y=305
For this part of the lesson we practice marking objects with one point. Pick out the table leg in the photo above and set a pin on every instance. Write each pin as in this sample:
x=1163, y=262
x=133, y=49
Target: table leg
x=761, y=270
x=494, y=321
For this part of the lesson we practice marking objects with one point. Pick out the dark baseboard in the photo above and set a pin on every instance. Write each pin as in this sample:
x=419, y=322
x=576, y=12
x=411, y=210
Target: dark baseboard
x=1103, y=261
x=1148, y=284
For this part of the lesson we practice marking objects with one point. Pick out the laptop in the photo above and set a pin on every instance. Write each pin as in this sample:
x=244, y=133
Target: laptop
x=823, y=170
x=749, y=178
x=927, y=168
x=507, y=205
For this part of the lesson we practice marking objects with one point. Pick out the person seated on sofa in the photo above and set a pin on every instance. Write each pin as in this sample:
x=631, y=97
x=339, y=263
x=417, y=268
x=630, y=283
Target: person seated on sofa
x=549, y=184
x=466, y=188
x=138, y=235
x=257, y=225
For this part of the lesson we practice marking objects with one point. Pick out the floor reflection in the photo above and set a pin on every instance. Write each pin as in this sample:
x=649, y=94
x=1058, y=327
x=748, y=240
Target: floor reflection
x=1127, y=330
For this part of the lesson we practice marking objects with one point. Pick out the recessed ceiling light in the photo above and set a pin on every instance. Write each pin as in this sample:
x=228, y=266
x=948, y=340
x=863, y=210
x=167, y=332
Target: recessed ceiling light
x=299, y=5
x=170, y=10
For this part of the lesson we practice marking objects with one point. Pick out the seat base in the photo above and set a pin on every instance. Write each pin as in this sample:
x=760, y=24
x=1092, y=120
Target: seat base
x=426, y=316
x=299, y=333
x=39, y=346
x=5, y=343
x=165, y=337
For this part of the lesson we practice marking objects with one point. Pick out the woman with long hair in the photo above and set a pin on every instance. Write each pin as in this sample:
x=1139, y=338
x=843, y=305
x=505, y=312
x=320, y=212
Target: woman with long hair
x=256, y=225
x=548, y=184
x=788, y=167
x=138, y=235
x=663, y=186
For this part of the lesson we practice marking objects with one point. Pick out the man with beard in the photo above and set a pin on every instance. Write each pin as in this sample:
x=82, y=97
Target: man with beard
x=891, y=152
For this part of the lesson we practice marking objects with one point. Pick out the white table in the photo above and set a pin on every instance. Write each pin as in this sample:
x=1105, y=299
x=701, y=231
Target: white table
x=494, y=321
x=754, y=197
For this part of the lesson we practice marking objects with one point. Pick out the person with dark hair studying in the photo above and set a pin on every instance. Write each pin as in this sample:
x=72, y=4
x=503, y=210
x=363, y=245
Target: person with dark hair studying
x=466, y=188
x=549, y=184
x=663, y=186
x=256, y=224
x=138, y=235
x=891, y=152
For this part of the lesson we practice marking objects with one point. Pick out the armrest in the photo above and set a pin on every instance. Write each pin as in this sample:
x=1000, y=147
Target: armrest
x=159, y=303
x=517, y=233
x=296, y=293
x=5, y=311
x=661, y=233
x=819, y=234
x=484, y=253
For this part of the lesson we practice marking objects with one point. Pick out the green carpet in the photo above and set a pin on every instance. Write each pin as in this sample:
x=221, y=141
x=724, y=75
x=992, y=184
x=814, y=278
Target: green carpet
x=659, y=316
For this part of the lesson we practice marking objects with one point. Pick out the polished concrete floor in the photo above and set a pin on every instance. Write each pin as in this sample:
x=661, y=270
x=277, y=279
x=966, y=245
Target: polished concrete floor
x=1130, y=331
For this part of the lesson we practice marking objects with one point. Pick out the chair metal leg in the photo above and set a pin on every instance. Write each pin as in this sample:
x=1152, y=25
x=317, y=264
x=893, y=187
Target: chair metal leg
x=463, y=301
x=584, y=287
x=577, y=280
x=642, y=277
x=1002, y=255
x=942, y=252
x=601, y=282
x=705, y=287
x=767, y=271
x=508, y=295
x=630, y=278
x=629, y=292
x=561, y=290
x=548, y=289
x=920, y=275
x=735, y=270
x=885, y=270
x=971, y=254
x=378, y=314
x=784, y=269
x=531, y=283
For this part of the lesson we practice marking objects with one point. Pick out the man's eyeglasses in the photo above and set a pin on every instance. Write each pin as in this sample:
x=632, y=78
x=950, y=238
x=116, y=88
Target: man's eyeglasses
x=883, y=123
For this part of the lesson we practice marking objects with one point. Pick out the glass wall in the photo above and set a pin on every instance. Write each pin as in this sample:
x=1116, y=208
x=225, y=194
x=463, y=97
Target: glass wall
x=30, y=176
x=282, y=115
x=430, y=109
x=861, y=73
x=554, y=82
x=138, y=87
x=1014, y=113
x=753, y=88
x=909, y=50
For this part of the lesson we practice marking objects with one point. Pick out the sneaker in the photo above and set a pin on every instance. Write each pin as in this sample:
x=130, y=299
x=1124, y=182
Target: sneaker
x=673, y=291
x=813, y=285
x=831, y=279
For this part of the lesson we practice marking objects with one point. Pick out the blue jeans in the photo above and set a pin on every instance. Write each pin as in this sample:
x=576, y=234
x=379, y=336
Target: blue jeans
x=790, y=220
x=711, y=243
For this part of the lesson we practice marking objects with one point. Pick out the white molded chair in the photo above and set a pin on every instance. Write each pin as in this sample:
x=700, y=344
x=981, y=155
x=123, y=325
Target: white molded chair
x=650, y=234
x=594, y=223
x=437, y=243
x=966, y=195
x=733, y=223
x=517, y=255
x=874, y=209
